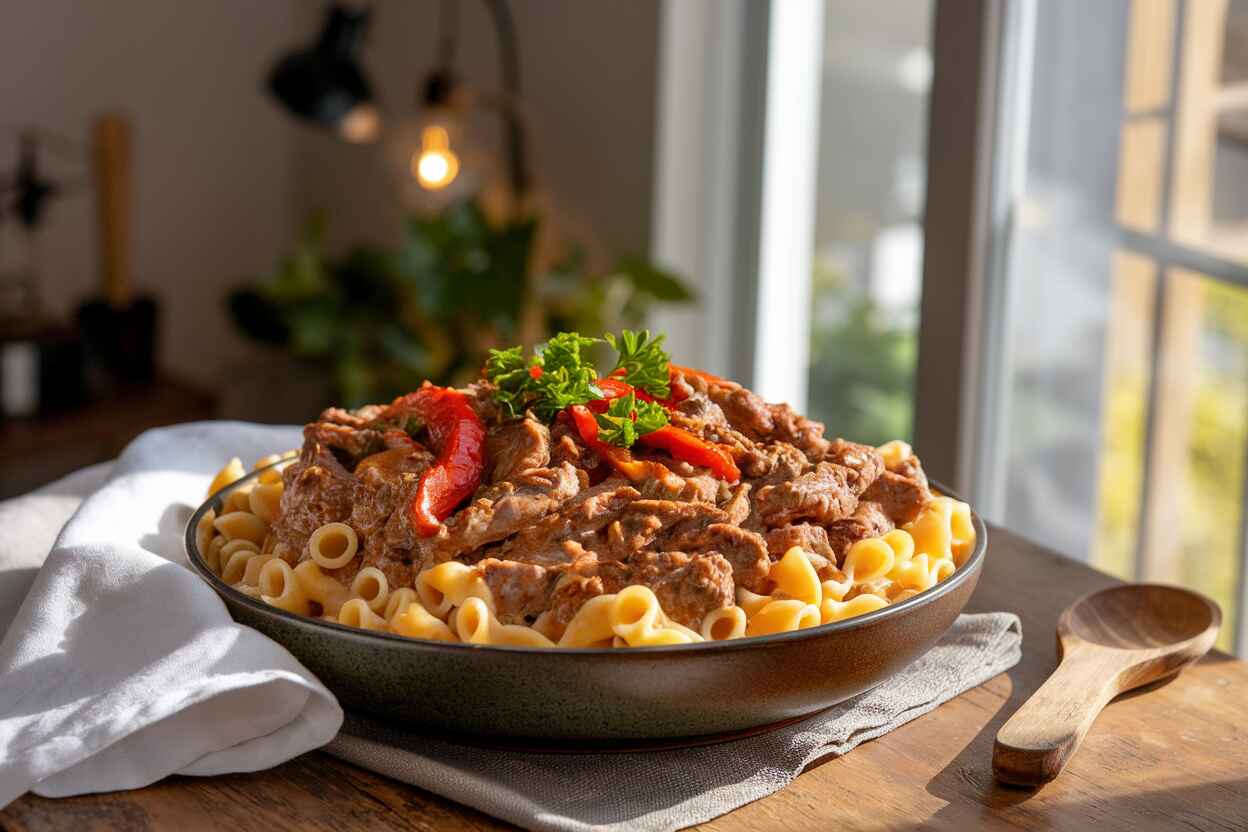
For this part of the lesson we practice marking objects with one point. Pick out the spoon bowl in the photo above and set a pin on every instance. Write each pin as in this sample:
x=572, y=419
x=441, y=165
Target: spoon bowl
x=1108, y=643
x=1138, y=617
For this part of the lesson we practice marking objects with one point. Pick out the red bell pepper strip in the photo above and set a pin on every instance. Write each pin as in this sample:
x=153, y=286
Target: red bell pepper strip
x=618, y=458
x=683, y=445
x=458, y=437
x=613, y=388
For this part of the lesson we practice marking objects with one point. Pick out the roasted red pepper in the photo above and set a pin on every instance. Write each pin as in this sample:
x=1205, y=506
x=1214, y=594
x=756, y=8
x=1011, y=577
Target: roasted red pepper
x=618, y=458
x=614, y=388
x=683, y=445
x=458, y=437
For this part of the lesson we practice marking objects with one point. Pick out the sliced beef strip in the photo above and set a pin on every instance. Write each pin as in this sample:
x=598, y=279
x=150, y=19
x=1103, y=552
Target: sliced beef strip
x=790, y=426
x=698, y=406
x=349, y=444
x=682, y=483
x=745, y=550
x=665, y=484
x=774, y=463
x=499, y=511
x=744, y=409
x=868, y=520
x=864, y=460
x=566, y=446
x=823, y=495
x=687, y=586
x=651, y=524
x=631, y=533
x=900, y=496
x=747, y=413
x=738, y=506
x=379, y=494
x=911, y=468
x=516, y=446
x=578, y=519
x=813, y=540
x=481, y=399
x=384, y=486
x=317, y=490
x=362, y=418
x=521, y=591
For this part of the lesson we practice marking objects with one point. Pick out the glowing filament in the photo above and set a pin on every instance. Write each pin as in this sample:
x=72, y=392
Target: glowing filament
x=435, y=165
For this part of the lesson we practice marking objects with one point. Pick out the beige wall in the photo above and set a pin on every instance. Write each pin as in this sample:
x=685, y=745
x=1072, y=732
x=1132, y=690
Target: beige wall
x=213, y=169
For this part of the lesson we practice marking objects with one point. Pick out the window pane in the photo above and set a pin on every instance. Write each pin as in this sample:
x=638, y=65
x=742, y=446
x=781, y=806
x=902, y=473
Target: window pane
x=1062, y=261
x=869, y=239
x=1197, y=465
x=1123, y=415
x=1128, y=374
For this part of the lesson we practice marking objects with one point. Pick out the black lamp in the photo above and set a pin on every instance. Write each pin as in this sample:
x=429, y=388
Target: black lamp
x=323, y=83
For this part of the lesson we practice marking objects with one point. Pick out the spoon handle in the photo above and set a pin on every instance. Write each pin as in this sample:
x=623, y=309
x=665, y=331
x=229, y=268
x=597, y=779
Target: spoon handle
x=1034, y=745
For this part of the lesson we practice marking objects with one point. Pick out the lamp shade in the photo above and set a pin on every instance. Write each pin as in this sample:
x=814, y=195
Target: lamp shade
x=323, y=83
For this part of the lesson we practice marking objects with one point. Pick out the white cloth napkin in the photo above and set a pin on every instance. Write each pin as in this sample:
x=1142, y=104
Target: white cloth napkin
x=122, y=666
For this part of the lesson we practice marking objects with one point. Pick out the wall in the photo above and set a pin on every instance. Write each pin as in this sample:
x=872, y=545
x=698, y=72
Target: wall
x=213, y=169
x=588, y=75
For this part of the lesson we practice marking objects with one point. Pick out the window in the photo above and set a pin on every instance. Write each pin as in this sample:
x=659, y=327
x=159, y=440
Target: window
x=1121, y=420
x=868, y=244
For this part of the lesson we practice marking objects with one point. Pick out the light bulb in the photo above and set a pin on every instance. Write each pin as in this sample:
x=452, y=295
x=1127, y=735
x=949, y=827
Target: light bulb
x=435, y=165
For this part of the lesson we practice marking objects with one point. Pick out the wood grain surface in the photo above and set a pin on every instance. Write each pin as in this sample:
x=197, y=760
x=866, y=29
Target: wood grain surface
x=1173, y=755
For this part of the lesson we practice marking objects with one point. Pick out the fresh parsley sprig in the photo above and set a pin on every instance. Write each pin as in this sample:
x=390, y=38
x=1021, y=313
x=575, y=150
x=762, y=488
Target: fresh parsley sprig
x=557, y=377
x=509, y=372
x=644, y=361
x=628, y=418
x=561, y=375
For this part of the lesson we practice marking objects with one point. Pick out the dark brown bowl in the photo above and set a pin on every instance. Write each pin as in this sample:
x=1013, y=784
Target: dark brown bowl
x=638, y=694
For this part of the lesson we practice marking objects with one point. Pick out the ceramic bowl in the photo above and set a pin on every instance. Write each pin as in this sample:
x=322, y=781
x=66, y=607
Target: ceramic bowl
x=640, y=695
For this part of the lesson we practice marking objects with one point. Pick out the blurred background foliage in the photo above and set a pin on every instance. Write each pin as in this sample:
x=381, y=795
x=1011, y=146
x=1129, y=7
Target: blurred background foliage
x=379, y=321
x=862, y=362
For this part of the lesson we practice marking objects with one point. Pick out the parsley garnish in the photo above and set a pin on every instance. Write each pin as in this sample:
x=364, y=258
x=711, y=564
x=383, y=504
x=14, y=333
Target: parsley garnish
x=561, y=375
x=566, y=378
x=508, y=370
x=627, y=418
x=644, y=361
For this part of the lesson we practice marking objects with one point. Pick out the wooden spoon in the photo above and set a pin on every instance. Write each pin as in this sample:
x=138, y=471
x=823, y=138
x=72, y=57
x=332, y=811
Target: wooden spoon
x=1107, y=643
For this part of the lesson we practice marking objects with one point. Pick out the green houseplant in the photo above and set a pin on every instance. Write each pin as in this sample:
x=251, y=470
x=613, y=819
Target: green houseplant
x=380, y=320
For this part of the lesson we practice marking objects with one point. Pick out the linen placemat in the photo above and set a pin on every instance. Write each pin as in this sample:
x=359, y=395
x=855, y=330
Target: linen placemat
x=656, y=791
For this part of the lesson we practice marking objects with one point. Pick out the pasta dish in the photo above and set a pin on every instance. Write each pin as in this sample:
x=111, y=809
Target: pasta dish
x=548, y=504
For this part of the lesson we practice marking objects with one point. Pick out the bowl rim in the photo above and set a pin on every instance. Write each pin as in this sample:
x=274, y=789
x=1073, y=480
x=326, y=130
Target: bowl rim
x=963, y=573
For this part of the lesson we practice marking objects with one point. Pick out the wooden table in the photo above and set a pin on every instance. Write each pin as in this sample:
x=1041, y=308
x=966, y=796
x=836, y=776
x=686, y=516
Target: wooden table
x=1171, y=757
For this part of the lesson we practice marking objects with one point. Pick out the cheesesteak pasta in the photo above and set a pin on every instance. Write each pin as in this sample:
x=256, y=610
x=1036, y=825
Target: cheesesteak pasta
x=551, y=505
